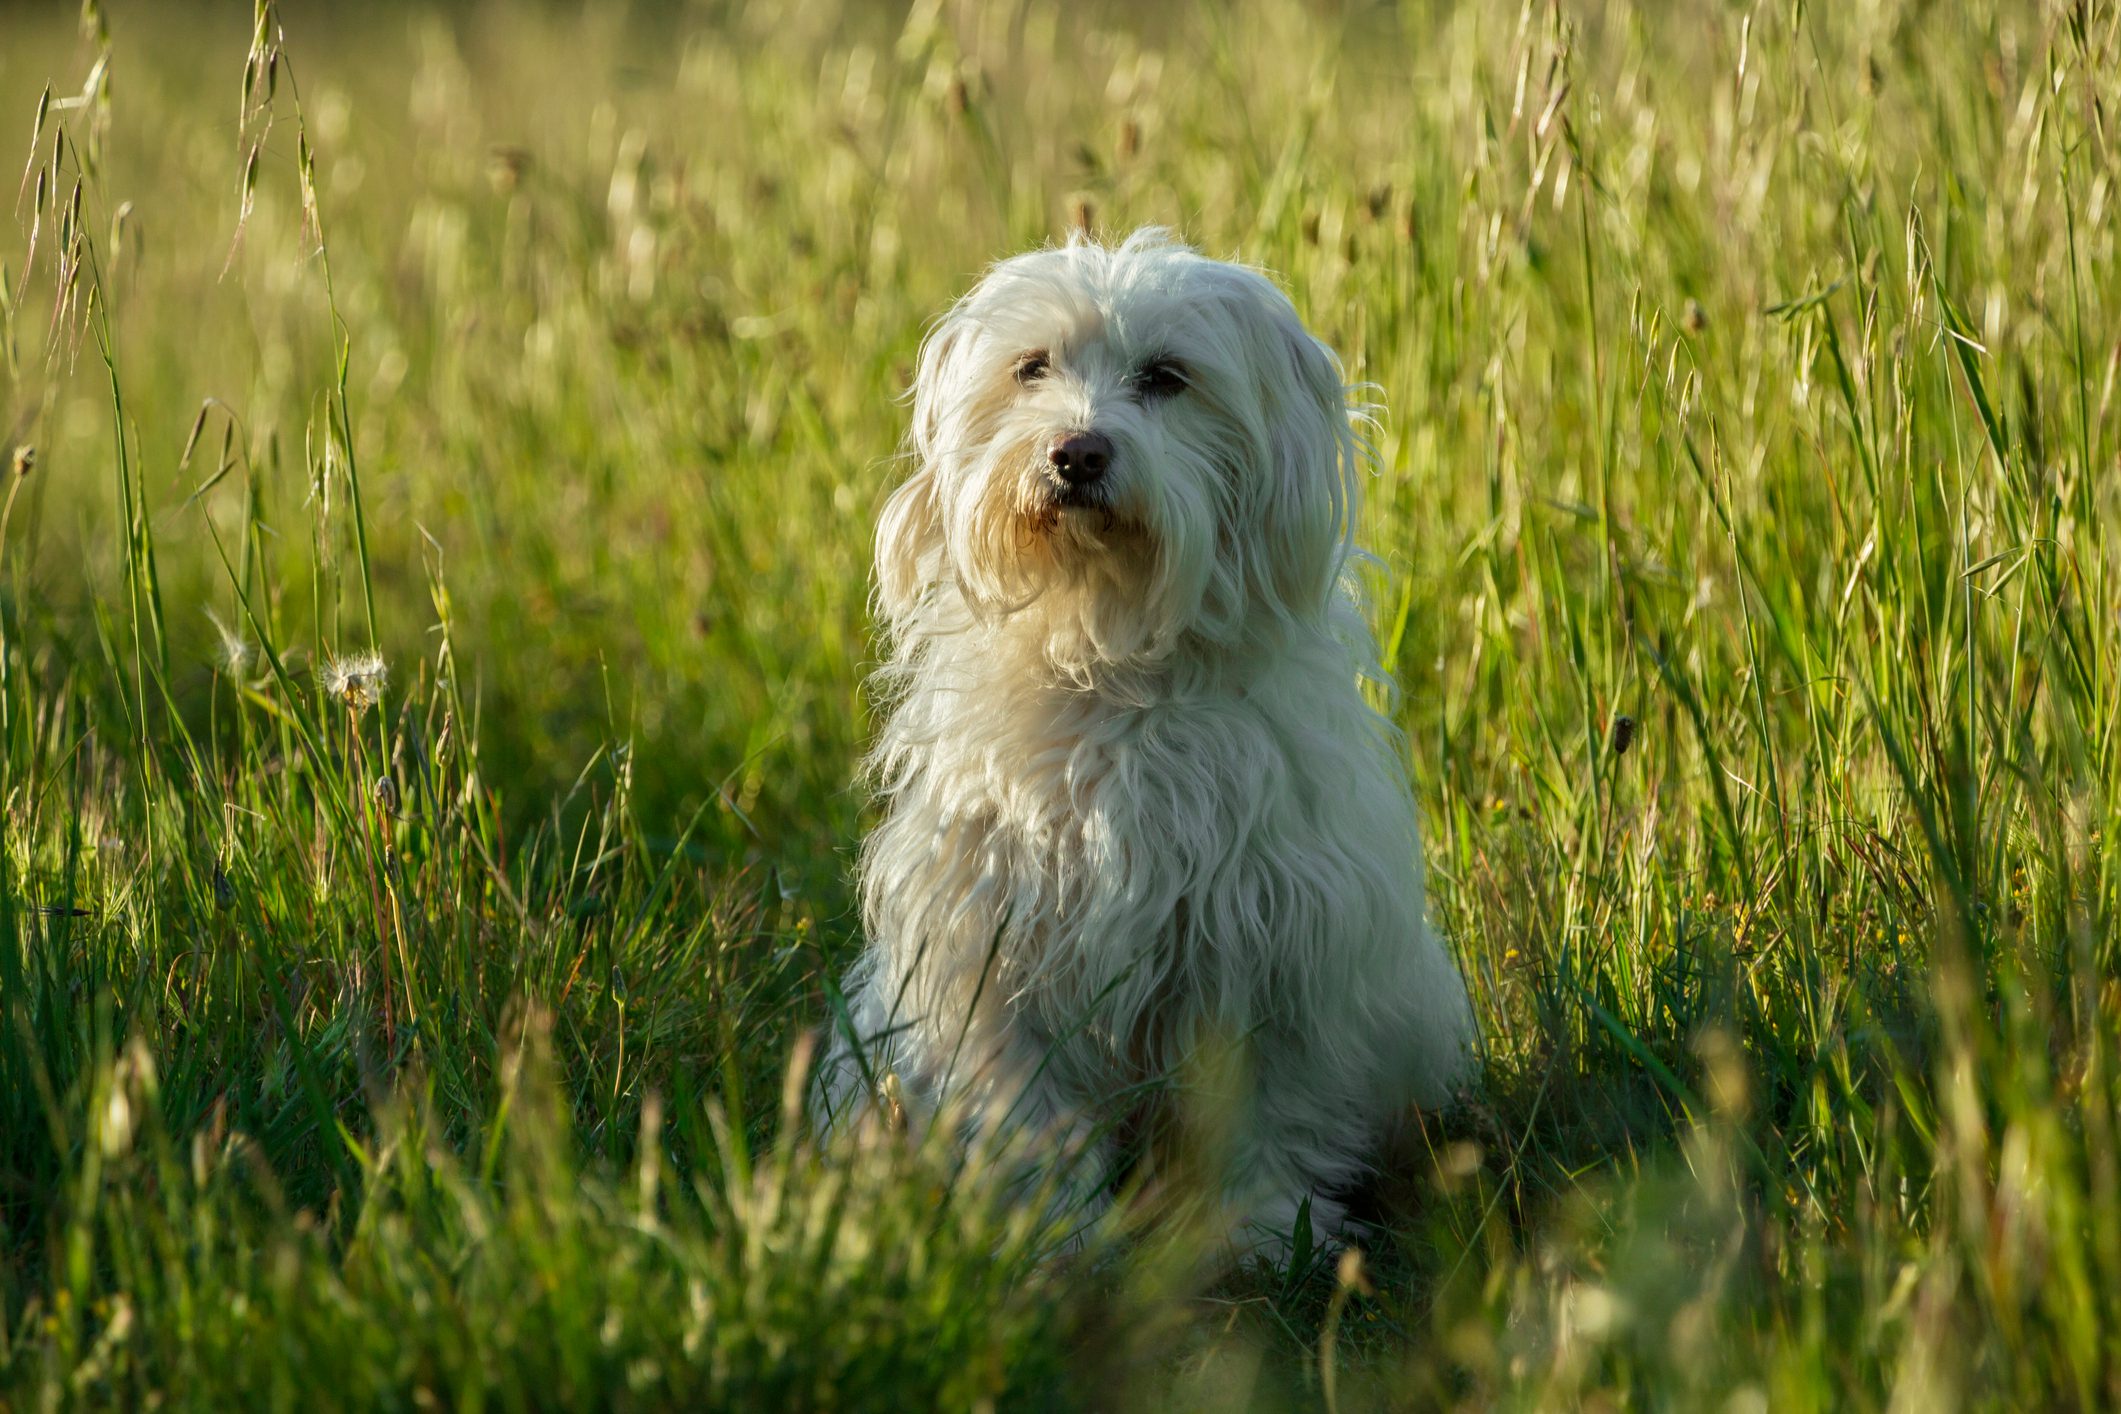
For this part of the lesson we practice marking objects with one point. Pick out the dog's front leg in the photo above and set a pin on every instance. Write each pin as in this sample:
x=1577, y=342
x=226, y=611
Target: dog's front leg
x=1302, y=1149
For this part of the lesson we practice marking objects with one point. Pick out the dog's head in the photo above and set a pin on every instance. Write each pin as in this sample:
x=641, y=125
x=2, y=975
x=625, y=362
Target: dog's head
x=1135, y=442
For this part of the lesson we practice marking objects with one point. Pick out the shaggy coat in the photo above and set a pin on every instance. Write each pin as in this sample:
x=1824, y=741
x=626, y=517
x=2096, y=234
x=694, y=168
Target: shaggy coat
x=1136, y=806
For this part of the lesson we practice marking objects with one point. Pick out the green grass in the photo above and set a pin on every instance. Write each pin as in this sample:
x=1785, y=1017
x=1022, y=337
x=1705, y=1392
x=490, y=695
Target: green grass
x=1750, y=374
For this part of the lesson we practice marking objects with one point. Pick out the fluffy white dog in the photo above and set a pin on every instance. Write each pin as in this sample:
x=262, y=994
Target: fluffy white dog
x=1136, y=806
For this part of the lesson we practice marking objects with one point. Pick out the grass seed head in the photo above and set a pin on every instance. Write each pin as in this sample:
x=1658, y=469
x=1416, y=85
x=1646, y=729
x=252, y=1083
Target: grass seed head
x=1623, y=734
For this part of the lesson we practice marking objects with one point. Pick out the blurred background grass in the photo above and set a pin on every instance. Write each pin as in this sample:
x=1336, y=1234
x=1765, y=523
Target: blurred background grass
x=1749, y=374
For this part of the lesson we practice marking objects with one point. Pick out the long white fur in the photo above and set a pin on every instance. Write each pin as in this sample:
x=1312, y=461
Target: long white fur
x=1135, y=803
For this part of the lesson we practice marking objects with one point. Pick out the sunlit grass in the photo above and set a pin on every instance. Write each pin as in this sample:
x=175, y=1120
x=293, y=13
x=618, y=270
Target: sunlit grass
x=432, y=625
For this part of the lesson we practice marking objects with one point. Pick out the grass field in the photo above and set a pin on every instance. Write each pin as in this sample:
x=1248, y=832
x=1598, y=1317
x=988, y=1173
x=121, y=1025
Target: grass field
x=415, y=1032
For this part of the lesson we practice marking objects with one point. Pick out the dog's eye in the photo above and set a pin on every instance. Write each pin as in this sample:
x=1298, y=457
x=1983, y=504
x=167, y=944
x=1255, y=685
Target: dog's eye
x=1159, y=378
x=1032, y=366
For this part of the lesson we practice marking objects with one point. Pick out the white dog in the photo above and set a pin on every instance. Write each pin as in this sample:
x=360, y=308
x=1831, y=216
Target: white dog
x=1135, y=802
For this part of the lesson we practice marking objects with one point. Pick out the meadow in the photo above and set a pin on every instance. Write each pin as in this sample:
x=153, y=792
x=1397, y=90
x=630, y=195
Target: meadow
x=441, y=447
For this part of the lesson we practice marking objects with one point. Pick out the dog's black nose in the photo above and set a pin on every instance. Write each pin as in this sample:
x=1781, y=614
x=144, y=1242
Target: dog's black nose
x=1080, y=458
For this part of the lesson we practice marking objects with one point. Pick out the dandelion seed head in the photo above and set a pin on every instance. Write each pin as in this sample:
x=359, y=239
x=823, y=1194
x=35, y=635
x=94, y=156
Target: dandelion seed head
x=232, y=654
x=357, y=679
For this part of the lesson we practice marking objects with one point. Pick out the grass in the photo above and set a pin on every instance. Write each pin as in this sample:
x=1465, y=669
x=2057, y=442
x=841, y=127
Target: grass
x=423, y=1037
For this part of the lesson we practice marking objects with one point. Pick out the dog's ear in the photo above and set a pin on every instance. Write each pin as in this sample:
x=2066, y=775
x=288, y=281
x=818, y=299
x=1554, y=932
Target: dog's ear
x=909, y=534
x=1310, y=492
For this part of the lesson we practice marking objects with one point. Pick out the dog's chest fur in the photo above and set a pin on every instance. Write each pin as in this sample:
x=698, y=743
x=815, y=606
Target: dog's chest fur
x=1132, y=864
